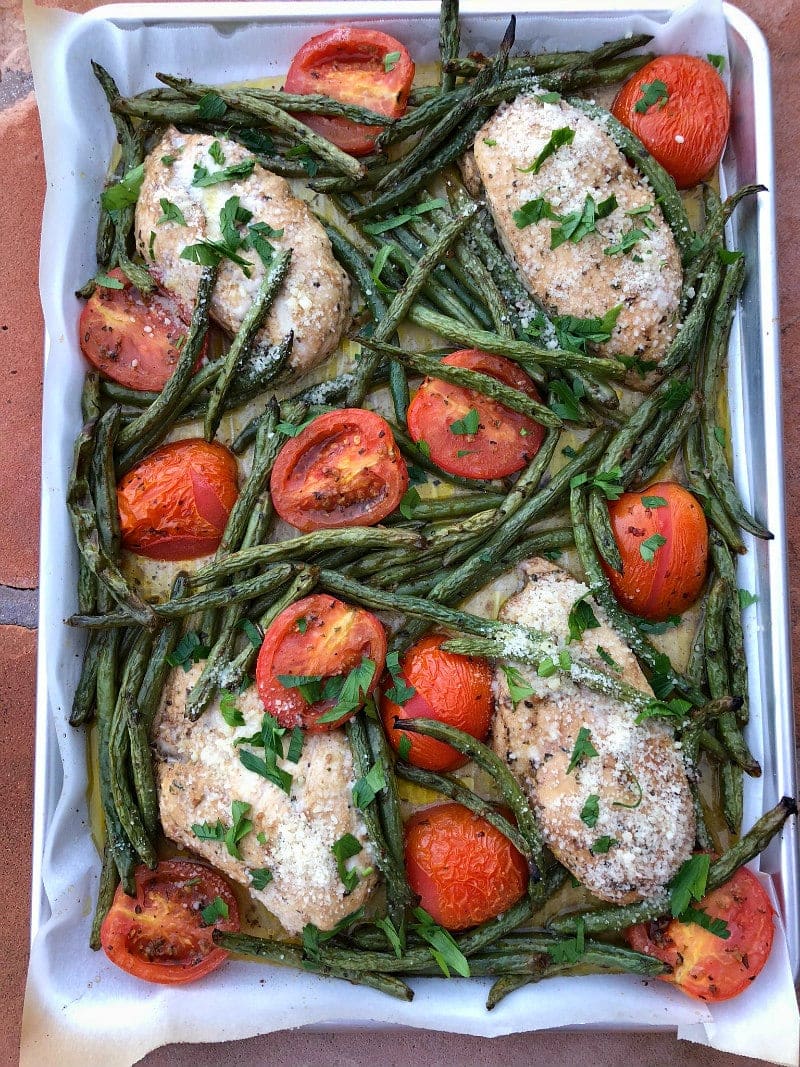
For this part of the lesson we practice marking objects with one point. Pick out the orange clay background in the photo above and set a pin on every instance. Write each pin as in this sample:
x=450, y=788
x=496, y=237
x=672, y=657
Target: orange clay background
x=22, y=188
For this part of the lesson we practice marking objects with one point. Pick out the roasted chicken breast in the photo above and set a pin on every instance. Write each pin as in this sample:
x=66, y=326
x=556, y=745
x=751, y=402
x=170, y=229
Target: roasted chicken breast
x=621, y=820
x=314, y=301
x=608, y=267
x=199, y=776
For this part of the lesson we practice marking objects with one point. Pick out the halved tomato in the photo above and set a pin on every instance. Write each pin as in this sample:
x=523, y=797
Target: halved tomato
x=129, y=338
x=161, y=935
x=175, y=503
x=310, y=653
x=356, y=66
x=343, y=469
x=501, y=441
x=704, y=964
x=678, y=107
x=454, y=689
x=662, y=537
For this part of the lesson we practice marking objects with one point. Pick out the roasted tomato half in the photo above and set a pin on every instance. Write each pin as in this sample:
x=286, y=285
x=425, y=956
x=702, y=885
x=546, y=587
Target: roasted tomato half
x=454, y=689
x=464, y=870
x=175, y=503
x=468, y=433
x=319, y=661
x=163, y=934
x=662, y=536
x=707, y=965
x=356, y=66
x=678, y=107
x=343, y=469
x=129, y=338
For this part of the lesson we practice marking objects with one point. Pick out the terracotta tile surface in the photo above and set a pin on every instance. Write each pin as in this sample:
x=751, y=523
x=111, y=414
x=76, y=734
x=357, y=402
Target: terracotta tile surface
x=22, y=185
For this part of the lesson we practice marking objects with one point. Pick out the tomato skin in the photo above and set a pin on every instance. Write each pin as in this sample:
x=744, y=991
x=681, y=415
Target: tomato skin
x=673, y=581
x=175, y=504
x=333, y=640
x=453, y=689
x=343, y=469
x=505, y=441
x=705, y=966
x=464, y=870
x=347, y=63
x=158, y=935
x=697, y=110
x=129, y=338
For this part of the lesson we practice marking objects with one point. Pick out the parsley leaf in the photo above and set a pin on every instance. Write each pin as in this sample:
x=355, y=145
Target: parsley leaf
x=470, y=423
x=569, y=950
x=746, y=598
x=410, y=500
x=239, y=828
x=648, y=627
x=268, y=768
x=590, y=812
x=579, y=224
x=209, y=253
x=124, y=192
x=353, y=692
x=628, y=241
x=651, y=545
x=565, y=400
x=582, y=749
x=216, y=153
x=217, y=909
x=518, y=688
x=717, y=62
x=390, y=61
x=190, y=649
x=534, y=211
x=718, y=927
x=260, y=877
x=404, y=747
x=203, y=177
x=211, y=106
x=230, y=713
x=407, y=214
x=653, y=502
x=344, y=849
x=658, y=709
x=392, y=936
x=606, y=482
x=608, y=659
x=678, y=392
x=207, y=831
x=400, y=691
x=489, y=142
x=290, y=430
x=257, y=141
x=170, y=213
x=574, y=333
x=231, y=216
x=689, y=883
x=653, y=93
x=442, y=947
x=558, y=138
x=368, y=786
x=602, y=845
x=581, y=618
x=252, y=632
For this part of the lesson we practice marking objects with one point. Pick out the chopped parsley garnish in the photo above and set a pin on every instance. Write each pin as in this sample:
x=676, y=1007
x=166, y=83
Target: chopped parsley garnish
x=442, y=947
x=678, y=392
x=270, y=738
x=404, y=747
x=313, y=937
x=232, y=835
x=260, y=877
x=232, y=216
x=628, y=241
x=406, y=216
x=606, y=482
x=209, y=253
x=295, y=745
x=252, y=632
x=424, y=448
x=217, y=909
x=124, y=192
x=637, y=788
x=653, y=93
x=190, y=649
x=368, y=786
x=257, y=141
x=380, y=262
x=689, y=883
x=105, y=281
x=574, y=333
x=728, y=257
x=602, y=845
x=569, y=950
x=391, y=934
x=579, y=224
x=203, y=177
x=168, y=160
x=548, y=98
x=344, y=849
x=608, y=659
x=208, y=831
x=230, y=713
x=548, y=666
x=468, y=451
x=717, y=62
x=746, y=598
x=468, y=424
x=674, y=710
x=518, y=688
x=390, y=61
x=302, y=625
x=651, y=545
x=489, y=142
x=211, y=106
x=558, y=138
x=718, y=927
x=582, y=749
x=409, y=501
x=352, y=690
x=289, y=429
x=258, y=236
x=565, y=399
x=216, y=153
x=648, y=627
x=654, y=502
x=590, y=812
x=400, y=691
x=534, y=211
x=581, y=618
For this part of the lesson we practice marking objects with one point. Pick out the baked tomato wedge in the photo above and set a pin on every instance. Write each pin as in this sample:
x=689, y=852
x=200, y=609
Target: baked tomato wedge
x=129, y=338
x=470, y=434
x=662, y=537
x=175, y=503
x=704, y=964
x=679, y=109
x=318, y=663
x=343, y=469
x=454, y=689
x=355, y=66
x=163, y=934
x=464, y=870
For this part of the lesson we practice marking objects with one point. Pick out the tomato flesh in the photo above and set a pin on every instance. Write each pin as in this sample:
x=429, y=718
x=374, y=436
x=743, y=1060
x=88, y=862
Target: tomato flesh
x=129, y=338
x=704, y=965
x=505, y=440
x=350, y=64
x=672, y=580
x=175, y=504
x=464, y=870
x=317, y=637
x=159, y=934
x=343, y=469
x=687, y=130
x=454, y=689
